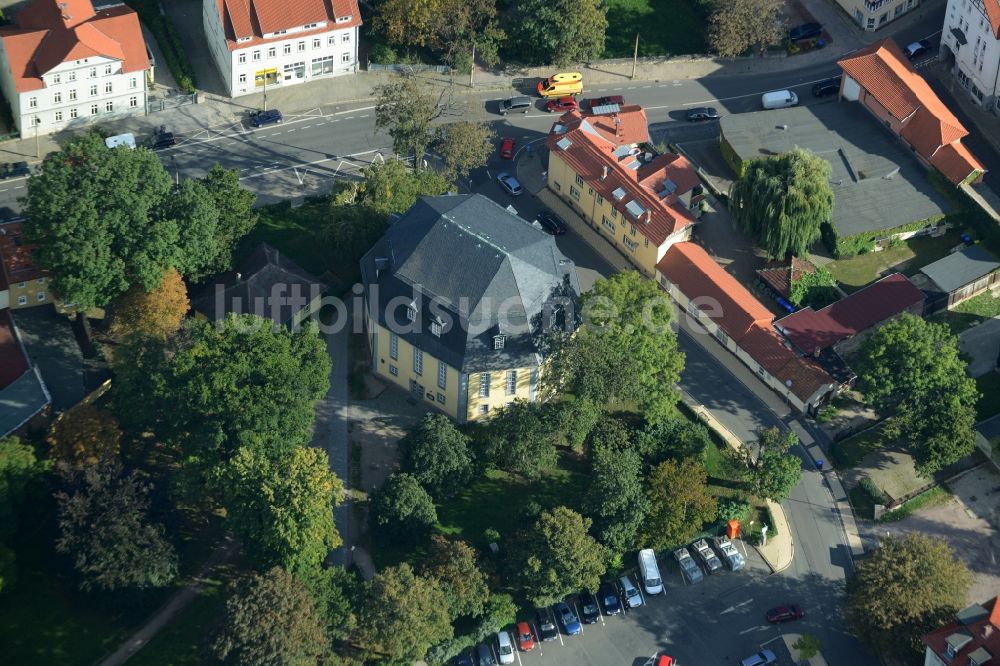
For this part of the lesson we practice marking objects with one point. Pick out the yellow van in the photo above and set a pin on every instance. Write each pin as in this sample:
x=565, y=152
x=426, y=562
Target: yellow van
x=561, y=85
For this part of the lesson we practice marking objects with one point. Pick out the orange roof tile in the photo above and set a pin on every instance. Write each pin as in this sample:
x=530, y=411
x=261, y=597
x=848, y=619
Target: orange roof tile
x=15, y=255
x=13, y=362
x=254, y=18
x=48, y=14
x=956, y=162
x=993, y=14
x=275, y=15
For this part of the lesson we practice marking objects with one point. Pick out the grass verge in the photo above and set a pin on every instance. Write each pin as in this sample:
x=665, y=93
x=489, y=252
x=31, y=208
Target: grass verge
x=933, y=497
x=971, y=312
x=852, y=450
x=855, y=272
x=665, y=27
x=862, y=502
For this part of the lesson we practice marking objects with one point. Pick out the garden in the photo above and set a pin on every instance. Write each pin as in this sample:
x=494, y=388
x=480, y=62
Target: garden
x=907, y=257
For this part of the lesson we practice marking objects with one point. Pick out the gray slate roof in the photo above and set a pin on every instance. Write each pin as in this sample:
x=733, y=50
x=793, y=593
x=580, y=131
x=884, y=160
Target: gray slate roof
x=478, y=267
x=960, y=268
x=21, y=400
x=877, y=184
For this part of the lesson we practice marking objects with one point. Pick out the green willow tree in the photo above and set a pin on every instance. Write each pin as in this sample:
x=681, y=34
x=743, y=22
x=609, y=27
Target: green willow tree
x=782, y=201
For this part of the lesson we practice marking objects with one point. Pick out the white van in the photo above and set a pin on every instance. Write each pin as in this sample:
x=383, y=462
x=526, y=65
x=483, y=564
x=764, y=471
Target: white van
x=127, y=140
x=779, y=99
x=650, y=572
x=632, y=596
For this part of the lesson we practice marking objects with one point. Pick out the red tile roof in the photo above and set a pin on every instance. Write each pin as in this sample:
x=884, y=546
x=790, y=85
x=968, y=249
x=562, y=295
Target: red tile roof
x=588, y=144
x=780, y=275
x=984, y=634
x=255, y=18
x=993, y=14
x=15, y=255
x=956, y=162
x=44, y=39
x=13, y=363
x=812, y=331
x=888, y=76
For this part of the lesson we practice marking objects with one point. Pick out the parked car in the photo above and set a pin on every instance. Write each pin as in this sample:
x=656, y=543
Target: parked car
x=520, y=103
x=700, y=113
x=605, y=101
x=826, y=87
x=649, y=572
x=728, y=553
x=507, y=147
x=485, y=653
x=4, y=171
x=505, y=647
x=510, y=184
x=779, y=99
x=917, y=49
x=805, y=31
x=568, y=619
x=525, y=639
x=630, y=591
x=706, y=555
x=269, y=117
x=546, y=624
x=162, y=139
x=464, y=659
x=664, y=660
x=551, y=223
x=19, y=170
x=785, y=614
x=760, y=659
x=561, y=105
x=688, y=566
x=610, y=599
x=590, y=612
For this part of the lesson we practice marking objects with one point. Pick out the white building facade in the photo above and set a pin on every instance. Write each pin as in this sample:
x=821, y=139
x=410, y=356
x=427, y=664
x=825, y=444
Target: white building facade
x=257, y=44
x=872, y=15
x=971, y=36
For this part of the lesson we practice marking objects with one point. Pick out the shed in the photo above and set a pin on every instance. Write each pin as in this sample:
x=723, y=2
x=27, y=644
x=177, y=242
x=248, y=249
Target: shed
x=960, y=276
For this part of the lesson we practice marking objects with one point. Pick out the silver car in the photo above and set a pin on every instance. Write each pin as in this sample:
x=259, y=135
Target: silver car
x=690, y=568
x=510, y=184
x=706, y=555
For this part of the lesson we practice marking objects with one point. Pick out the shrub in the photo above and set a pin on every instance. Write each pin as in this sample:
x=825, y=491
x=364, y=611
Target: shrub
x=876, y=493
x=772, y=528
x=382, y=54
x=169, y=41
x=733, y=508
x=442, y=653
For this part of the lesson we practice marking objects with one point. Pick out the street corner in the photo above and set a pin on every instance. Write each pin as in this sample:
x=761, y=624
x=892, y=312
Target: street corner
x=531, y=164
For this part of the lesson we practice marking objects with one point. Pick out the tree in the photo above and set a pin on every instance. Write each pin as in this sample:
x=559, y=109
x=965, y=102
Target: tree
x=464, y=146
x=908, y=586
x=616, y=499
x=336, y=592
x=8, y=568
x=559, y=32
x=270, y=620
x=402, y=510
x=625, y=352
x=159, y=312
x=557, y=556
x=807, y=645
x=518, y=440
x=390, y=187
x=406, y=108
x=236, y=216
x=84, y=435
x=19, y=470
x=571, y=420
x=741, y=25
x=403, y=615
x=910, y=371
x=438, y=456
x=106, y=219
x=680, y=503
x=104, y=529
x=782, y=201
x=282, y=509
x=817, y=289
x=673, y=439
x=455, y=566
x=774, y=471
x=448, y=27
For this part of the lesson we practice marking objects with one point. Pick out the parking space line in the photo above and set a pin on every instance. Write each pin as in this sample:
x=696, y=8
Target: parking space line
x=579, y=618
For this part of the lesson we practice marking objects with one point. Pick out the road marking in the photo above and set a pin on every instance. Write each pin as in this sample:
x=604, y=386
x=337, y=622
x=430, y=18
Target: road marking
x=752, y=629
x=289, y=131
x=364, y=116
x=340, y=158
x=306, y=127
x=364, y=108
x=739, y=605
x=579, y=617
x=19, y=187
x=754, y=94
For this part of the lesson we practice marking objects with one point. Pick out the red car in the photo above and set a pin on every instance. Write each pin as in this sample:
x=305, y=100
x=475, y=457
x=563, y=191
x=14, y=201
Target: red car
x=525, y=639
x=507, y=147
x=604, y=101
x=664, y=660
x=785, y=614
x=561, y=105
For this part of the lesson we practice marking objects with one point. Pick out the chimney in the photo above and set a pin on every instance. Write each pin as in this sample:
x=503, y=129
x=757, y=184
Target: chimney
x=605, y=171
x=646, y=216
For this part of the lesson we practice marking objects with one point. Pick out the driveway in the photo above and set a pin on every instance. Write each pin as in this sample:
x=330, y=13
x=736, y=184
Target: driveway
x=982, y=344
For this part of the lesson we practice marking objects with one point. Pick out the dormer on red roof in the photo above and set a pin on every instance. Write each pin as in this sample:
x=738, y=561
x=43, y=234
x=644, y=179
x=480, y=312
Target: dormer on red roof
x=255, y=22
x=15, y=254
x=973, y=637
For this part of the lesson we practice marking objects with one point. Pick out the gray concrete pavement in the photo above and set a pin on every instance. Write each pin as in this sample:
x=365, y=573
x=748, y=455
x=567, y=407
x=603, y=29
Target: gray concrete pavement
x=982, y=344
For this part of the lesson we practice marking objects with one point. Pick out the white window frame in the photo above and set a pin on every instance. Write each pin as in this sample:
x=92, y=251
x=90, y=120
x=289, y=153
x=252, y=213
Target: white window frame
x=512, y=382
x=484, y=384
x=442, y=375
x=58, y=116
x=22, y=300
x=241, y=58
x=418, y=362
x=394, y=346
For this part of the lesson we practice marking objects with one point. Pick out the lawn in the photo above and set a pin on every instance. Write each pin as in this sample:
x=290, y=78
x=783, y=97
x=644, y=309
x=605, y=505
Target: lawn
x=933, y=497
x=850, y=452
x=666, y=27
x=989, y=402
x=855, y=272
x=294, y=231
x=971, y=312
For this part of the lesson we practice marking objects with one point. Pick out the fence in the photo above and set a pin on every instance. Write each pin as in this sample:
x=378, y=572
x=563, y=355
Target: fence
x=155, y=104
x=408, y=69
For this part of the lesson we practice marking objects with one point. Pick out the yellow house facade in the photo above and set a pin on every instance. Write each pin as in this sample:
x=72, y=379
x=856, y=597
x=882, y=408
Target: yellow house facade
x=23, y=284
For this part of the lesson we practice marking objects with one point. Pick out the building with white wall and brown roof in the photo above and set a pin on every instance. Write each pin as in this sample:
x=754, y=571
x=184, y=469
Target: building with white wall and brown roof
x=604, y=167
x=970, y=40
x=63, y=64
x=262, y=43
x=23, y=284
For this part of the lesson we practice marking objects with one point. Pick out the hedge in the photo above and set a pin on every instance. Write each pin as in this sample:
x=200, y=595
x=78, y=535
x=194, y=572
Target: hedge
x=168, y=39
x=877, y=494
x=848, y=246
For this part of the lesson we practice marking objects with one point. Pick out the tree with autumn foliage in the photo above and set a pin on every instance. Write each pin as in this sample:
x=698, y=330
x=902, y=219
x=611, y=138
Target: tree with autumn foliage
x=84, y=435
x=157, y=313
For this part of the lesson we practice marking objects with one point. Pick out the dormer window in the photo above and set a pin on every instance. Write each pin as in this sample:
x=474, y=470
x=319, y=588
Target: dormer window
x=499, y=341
x=437, y=326
x=343, y=19
x=411, y=311
x=244, y=39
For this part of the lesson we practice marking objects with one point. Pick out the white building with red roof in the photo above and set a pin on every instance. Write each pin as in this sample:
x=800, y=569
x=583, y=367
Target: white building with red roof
x=260, y=43
x=971, y=34
x=63, y=64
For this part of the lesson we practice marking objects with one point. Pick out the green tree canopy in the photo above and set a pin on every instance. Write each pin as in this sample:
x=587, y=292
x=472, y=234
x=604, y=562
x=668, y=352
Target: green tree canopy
x=773, y=470
x=625, y=352
x=403, y=615
x=558, y=32
x=282, y=510
x=557, y=556
x=407, y=109
x=234, y=206
x=616, y=498
x=737, y=26
x=19, y=471
x=270, y=620
x=571, y=420
x=680, y=503
x=463, y=146
x=517, y=439
x=437, y=454
x=391, y=187
x=782, y=201
x=815, y=289
x=105, y=531
x=904, y=589
x=455, y=566
x=673, y=439
x=910, y=372
x=401, y=509
x=450, y=28
x=336, y=593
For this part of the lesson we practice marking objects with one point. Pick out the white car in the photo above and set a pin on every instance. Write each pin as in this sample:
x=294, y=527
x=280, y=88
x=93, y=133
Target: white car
x=631, y=592
x=506, y=647
x=760, y=659
x=510, y=184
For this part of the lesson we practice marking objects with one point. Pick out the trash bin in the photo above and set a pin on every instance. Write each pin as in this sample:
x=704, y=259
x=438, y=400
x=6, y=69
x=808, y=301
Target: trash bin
x=819, y=465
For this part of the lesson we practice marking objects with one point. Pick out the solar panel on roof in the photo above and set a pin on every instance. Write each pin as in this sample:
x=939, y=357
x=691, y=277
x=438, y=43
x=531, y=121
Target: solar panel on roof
x=564, y=143
x=634, y=208
x=618, y=194
x=633, y=165
x=621, y=151
x=605, y=109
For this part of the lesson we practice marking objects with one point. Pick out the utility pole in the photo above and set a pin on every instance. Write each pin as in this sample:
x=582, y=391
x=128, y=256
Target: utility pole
x=472, y=68
x=635, y=55
x=38, y=150
x=265, y=90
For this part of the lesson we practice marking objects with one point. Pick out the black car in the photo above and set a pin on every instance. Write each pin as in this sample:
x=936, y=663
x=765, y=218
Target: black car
x=19, y=170
x=590, y=612
x=551, y=223
x=702, y=113
x=485, y=654
x=162, y=140
x=546, y=625
x=805, y=31
x=261, y=118
x=610, y=598
x=917, y=49
x=827, y=87
x=464, y=659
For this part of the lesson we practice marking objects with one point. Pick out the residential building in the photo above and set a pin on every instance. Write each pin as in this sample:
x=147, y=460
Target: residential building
x=261, y=43
x=872, y=15
x=456, y=294
x=727, y=310
x=844, y=325
x=63, y=64
x=604, y=167
x=267, y=284
x=958, y=277
x=972, y=639
x=22, y=392
x=884, y=81
x=970, y=41
x=27, y=285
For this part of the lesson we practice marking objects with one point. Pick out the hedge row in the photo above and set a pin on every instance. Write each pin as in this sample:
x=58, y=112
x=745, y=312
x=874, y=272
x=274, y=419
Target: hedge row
x=877, y=494
x=168, y=39
x=864, y=243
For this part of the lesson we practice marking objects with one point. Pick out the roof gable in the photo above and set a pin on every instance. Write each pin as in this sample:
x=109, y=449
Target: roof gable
x=250, y=20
